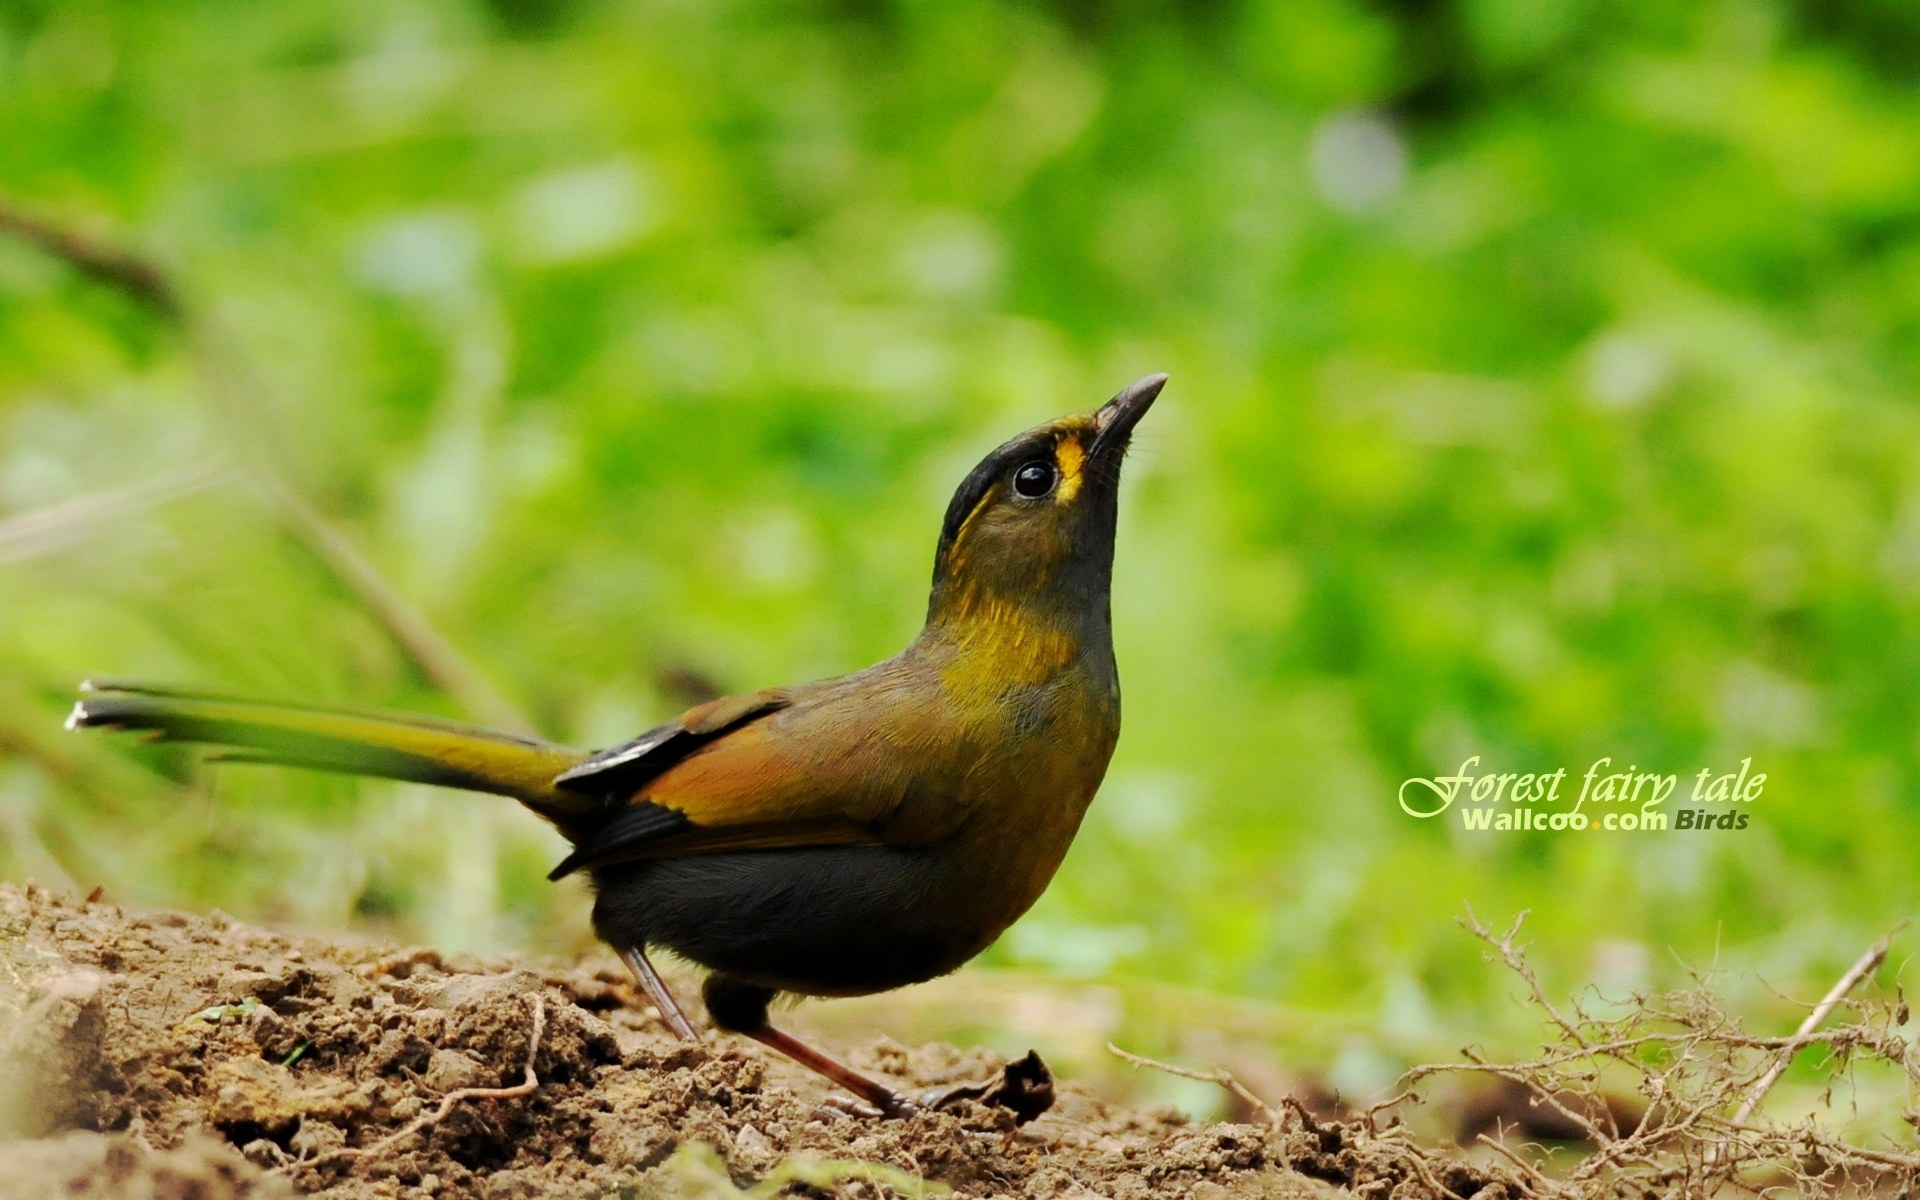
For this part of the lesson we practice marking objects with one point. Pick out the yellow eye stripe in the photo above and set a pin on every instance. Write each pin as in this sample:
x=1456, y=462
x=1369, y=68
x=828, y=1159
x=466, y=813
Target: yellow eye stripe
x=1071, y=456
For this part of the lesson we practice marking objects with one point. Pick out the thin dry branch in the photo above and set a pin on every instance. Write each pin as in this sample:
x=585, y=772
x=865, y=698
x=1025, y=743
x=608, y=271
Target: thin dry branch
x=1862, y=967
x=42, y=530
x=417, y=637
x=119, y=269
x=1417, y=1162
x=1515, y=959
x=1619, y=1047
x=234, y=398
x=1414, y=1159
x=1695, y=1063
x=1539, y=1179
x=1218, y=1075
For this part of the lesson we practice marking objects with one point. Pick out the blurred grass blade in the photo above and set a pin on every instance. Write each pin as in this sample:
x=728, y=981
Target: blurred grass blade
x=45, y=530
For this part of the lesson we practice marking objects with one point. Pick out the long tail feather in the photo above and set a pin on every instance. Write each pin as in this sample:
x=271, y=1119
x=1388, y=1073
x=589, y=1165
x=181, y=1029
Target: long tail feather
x=357, y=742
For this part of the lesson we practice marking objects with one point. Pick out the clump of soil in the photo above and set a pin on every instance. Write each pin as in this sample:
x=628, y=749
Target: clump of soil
x=155, y=1054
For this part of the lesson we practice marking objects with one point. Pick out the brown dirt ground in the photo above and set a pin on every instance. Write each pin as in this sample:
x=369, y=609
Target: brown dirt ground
x=156, y=1054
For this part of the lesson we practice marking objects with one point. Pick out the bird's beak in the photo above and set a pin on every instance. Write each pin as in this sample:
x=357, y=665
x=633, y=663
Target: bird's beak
x=1114, y=423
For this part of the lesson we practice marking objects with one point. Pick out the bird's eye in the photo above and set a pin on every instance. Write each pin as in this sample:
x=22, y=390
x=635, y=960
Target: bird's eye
x=1034, y=480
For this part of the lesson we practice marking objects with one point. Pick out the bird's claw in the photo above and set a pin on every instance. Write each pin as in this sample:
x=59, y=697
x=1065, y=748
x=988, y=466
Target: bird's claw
x=894, y=1108
x=1024, y=1087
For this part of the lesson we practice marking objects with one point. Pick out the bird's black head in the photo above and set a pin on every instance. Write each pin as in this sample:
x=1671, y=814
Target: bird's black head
x=1033, y=524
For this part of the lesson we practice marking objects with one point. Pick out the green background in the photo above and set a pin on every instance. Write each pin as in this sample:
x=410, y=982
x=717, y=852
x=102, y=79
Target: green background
x=1543, y=382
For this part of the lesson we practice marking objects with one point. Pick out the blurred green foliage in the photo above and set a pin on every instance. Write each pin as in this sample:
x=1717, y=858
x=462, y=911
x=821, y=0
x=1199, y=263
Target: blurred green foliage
x=1544, y=385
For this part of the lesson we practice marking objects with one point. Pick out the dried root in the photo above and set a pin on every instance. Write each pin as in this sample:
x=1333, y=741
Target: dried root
x=1703, y=1078
x=529, y=1083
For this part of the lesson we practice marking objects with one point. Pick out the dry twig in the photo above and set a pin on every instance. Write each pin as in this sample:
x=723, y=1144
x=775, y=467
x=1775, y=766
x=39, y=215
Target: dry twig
x=430, y=651
x=129, y=273
x=25, y=535
x=1532, y=1172
x=1862, y=967
x=1695, y=1064
x=234, y=395
x=1416, y=1161
x=1218, y=1075
x=1516, y=960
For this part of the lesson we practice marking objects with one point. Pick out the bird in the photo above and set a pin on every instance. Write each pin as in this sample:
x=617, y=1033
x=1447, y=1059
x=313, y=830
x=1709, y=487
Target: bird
x=841, y=837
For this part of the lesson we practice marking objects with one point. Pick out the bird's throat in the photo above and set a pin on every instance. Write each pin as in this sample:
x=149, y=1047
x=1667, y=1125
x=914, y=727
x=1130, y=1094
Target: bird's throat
x=986, y=643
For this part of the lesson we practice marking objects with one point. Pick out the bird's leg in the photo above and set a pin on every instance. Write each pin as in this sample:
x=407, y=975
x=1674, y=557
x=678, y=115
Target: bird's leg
x=741, y=1007
x=656, y=989
x=882, y=1099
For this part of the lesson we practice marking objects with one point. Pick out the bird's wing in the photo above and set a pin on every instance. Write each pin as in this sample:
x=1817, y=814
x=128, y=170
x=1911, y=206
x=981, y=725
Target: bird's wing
x=832, y=770
x=622, y=770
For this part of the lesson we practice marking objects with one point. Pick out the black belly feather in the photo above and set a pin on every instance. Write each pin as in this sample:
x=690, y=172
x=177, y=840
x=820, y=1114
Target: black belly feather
x=820, y=921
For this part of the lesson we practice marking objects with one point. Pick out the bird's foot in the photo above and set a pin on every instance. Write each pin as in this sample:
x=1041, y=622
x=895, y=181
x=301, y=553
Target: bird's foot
x=1024, y=1088
x=895, y=1107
